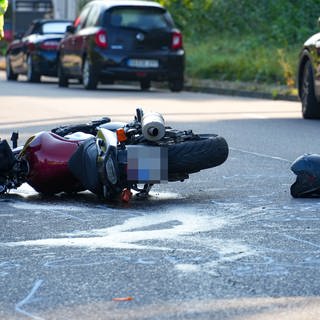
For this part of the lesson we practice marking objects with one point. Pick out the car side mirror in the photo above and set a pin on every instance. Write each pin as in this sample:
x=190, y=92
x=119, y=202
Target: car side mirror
x=70, y=29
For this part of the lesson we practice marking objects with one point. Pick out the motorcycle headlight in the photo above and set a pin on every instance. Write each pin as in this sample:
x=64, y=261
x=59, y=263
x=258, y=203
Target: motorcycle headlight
x=111, y=171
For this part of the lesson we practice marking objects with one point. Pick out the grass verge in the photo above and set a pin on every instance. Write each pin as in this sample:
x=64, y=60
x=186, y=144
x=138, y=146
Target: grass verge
x=241, y=60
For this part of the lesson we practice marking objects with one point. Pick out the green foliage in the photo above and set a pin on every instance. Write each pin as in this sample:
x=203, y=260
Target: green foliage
x=280, y=21
x=250, y=40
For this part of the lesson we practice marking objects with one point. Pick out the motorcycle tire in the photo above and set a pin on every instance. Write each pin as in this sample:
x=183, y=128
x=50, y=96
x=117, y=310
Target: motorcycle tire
x=194, y=155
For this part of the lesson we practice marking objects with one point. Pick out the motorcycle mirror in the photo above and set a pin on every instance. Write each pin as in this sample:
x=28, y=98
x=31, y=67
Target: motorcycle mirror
x=139, y=115
x=14, y=139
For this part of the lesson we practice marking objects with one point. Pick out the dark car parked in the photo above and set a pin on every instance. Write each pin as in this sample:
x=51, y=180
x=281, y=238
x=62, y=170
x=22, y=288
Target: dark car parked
x=309, y=77
x=35, y=53
x=122, y=40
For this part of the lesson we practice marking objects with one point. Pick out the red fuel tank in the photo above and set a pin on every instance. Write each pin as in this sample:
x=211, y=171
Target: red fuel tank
x=47, y=155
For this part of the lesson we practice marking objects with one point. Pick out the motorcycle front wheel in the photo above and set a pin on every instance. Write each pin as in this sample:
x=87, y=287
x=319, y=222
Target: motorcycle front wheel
x=206, y=151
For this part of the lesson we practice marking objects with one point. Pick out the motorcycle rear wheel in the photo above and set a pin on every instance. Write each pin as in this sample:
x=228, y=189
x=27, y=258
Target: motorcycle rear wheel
x=194, y=155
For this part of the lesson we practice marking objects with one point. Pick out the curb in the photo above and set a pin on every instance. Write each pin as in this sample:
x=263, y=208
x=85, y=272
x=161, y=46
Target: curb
x=242, y=93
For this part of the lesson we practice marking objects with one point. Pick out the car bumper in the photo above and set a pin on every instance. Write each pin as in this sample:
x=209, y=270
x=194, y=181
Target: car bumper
x=45, y=63
x=114, y=65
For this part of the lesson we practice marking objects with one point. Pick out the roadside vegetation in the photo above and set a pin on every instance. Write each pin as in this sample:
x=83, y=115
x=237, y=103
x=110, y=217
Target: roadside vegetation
x=245, y=40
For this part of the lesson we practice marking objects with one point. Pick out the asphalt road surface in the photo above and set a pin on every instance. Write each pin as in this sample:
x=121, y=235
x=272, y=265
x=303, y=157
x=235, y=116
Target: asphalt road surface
x=229, y=243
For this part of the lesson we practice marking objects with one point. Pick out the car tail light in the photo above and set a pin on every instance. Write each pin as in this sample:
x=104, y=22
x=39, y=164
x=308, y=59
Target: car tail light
x=49, y=45
x=101, y=39
x=176, y=40
x=77, y=22
x=31, y=46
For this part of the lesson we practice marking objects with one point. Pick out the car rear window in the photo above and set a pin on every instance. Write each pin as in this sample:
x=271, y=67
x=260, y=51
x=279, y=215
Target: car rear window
x=140, y=17
x=54, y=27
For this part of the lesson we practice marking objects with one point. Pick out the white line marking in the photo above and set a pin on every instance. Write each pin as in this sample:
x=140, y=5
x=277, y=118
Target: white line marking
x=260, y=155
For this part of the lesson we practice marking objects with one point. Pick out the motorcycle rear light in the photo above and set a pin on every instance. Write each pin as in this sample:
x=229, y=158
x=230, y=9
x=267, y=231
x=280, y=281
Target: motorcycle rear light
x=176, y=40
x=101, y=39
x=49, y=45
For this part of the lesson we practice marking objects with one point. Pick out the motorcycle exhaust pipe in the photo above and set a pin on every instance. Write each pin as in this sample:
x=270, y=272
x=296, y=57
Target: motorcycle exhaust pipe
x=153, y=127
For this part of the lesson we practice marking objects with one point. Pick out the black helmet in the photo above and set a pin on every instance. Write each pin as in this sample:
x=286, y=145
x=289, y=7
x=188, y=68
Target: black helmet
x=307, y=169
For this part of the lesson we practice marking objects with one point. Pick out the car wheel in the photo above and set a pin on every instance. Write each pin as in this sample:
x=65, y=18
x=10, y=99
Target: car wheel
x=63, y=81
x=145, y=85
x=310, y=105
x=32, y=75
x=89, y=78
x=176, y=85
x=10, y=74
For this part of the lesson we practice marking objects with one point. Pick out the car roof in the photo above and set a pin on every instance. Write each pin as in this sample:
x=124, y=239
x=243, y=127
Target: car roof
x=116, y=3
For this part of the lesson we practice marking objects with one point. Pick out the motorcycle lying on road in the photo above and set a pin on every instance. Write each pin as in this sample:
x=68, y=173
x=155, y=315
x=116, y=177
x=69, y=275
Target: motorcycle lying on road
x=109, y=158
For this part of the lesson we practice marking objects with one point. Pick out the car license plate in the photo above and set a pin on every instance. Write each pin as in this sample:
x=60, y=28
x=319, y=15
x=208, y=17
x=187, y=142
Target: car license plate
x=143, y=63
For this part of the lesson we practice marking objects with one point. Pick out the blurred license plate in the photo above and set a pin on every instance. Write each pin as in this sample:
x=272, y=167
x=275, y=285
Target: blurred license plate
x=143, y=63
x=146, y=164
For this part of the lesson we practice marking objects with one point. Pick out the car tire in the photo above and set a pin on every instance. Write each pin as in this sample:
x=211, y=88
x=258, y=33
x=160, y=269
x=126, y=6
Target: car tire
x=145, y=85
x=310, y=105
x=11, y=76
x=32, y=75
x=89, y=78
x=63, y=81
x=176, y=85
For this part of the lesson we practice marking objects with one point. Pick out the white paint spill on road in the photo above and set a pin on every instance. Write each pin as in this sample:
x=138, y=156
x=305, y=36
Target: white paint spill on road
x=166, y=226
x=165, y=195
x=169, y=231
x=54, y=209
x=25, y=190
x=44, y=207
x=27, y=300
x=185, y=267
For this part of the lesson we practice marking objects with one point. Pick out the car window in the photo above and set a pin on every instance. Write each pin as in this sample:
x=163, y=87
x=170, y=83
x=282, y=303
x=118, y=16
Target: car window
x=32, y=29
x=92, y=17
x=145, y=18
x=80, y=21
x=54, y=27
